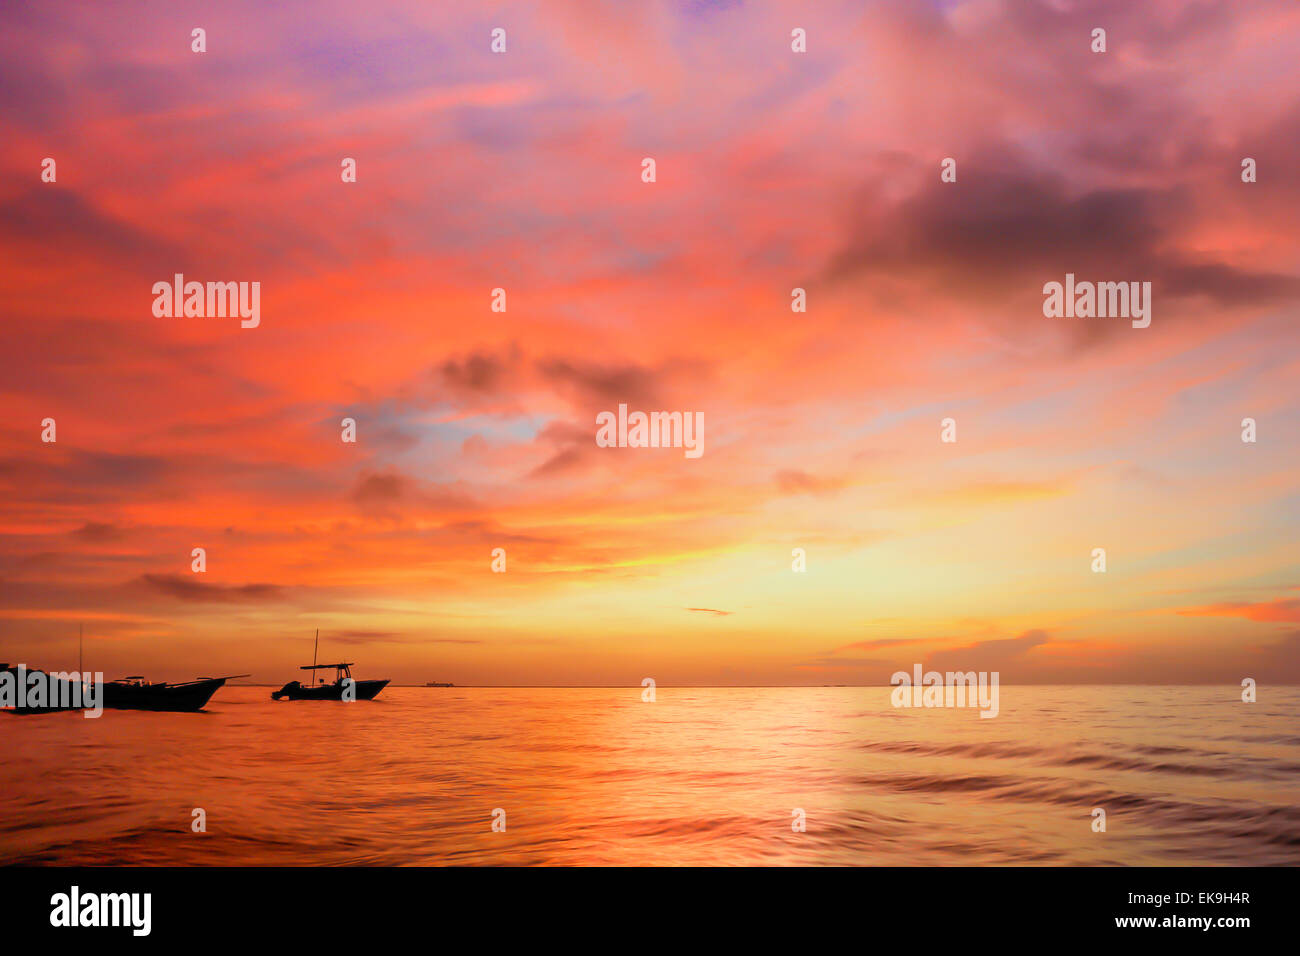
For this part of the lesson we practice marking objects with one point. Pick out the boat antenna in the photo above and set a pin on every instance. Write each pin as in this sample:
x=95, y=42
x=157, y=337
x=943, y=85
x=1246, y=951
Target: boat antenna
x=81, y=644
x=313, y=655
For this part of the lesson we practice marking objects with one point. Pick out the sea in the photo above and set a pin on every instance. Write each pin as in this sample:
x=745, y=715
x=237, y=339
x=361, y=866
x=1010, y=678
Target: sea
x=768, y=776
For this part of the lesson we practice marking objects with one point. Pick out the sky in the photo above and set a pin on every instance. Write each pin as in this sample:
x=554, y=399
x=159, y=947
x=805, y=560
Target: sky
x=774, y=170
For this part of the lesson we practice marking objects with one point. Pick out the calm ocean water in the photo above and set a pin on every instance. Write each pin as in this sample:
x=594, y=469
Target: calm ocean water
x=1187, y=775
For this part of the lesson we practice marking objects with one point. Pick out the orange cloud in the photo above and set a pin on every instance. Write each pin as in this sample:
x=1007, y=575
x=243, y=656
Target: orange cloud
x=1277, y=610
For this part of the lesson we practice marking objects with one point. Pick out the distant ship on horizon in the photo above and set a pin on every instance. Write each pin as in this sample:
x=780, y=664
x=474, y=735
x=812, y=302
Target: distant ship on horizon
x=434, y=683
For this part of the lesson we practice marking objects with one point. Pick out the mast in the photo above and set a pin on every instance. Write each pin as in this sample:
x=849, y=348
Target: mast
x=81, y=644
x=313, y=655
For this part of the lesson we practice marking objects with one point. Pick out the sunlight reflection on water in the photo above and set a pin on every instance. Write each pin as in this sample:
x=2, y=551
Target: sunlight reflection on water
x=1187, y=775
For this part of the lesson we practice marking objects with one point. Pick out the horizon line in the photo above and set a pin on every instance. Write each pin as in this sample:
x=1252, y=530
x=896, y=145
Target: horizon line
x=777, y=686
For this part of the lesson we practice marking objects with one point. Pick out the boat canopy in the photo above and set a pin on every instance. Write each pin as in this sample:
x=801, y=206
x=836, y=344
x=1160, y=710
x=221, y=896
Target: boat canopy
x=322, y=667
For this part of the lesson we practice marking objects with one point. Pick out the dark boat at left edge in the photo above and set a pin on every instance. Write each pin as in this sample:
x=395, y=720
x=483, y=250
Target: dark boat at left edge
x=59, y=689
x=127, y=693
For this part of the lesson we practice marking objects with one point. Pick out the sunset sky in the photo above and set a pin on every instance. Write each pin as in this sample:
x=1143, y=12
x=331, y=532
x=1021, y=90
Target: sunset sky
x=775, y=170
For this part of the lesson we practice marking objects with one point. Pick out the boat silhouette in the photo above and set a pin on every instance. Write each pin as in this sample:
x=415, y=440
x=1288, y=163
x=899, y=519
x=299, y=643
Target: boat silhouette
x=136, y=693
x=343, y=687
x=127, y=693
x=361, y=689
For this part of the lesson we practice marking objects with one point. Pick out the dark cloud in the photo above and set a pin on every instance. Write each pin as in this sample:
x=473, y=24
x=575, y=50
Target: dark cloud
x=99, y=531
x=481, y=372
x=605, y=385
x=58, y=475
x=187, y=589
x=379, y=489
x=58, y=218
x=569, y=460
x=575, y=448
x=491, y=531
x=994, y=655
x=1007, y=227
x=394, y=637
x=392, y=496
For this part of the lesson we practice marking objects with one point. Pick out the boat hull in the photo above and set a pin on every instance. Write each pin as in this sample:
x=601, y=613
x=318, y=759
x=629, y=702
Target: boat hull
x=365, y=690
x=190, y=696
